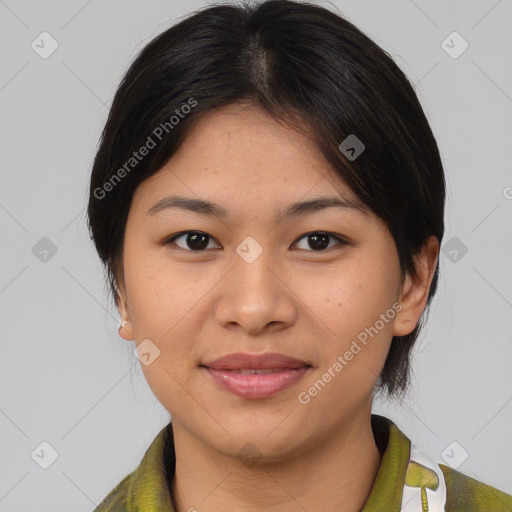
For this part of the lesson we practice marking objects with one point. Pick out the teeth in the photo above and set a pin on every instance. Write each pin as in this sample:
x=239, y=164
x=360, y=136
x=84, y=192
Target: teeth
x=253, y=371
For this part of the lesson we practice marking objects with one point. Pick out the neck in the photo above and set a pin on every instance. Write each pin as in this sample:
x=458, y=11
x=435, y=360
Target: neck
x=336, y=474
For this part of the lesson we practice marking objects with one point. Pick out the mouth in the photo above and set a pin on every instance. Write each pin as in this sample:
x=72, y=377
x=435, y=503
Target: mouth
x=253, y=376
x=259, y=371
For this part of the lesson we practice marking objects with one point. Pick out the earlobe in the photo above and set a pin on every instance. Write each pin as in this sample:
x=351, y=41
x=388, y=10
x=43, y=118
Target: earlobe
x=404, y=320
x=415, y=290
x=125, y=329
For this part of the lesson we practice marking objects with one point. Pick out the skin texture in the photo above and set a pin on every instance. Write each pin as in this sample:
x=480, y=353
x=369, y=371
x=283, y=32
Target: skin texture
x=309, y=304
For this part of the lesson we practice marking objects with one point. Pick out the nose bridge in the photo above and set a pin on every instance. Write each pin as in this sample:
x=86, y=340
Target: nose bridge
x=253, y=278
x=253, y=295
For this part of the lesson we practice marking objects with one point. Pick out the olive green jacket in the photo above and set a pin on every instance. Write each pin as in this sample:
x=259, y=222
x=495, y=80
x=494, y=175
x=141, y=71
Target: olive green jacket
x=406, y=481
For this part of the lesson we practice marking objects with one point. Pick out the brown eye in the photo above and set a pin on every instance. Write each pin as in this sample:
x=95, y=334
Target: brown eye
x=195, y=241
x=319, y=240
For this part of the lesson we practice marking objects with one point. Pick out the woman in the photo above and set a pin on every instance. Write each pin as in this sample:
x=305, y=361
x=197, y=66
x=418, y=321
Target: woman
x=268, y=201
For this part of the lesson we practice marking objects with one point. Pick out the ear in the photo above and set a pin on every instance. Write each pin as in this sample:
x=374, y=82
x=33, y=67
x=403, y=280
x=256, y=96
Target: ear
x=414, y=294
x=125, y=332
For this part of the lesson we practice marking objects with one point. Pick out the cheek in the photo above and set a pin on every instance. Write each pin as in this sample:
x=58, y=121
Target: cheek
x=357, y=339
x=349, y=298
x=348, y=304
x=162, y=295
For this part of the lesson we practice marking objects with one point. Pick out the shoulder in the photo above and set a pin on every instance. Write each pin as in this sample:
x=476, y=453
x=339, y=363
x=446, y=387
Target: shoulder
x=465, y=494
x=146, y=486
x=117, y=499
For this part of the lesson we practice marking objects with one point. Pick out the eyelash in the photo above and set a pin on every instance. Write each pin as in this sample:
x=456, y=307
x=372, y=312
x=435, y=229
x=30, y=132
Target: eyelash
x=341, y=241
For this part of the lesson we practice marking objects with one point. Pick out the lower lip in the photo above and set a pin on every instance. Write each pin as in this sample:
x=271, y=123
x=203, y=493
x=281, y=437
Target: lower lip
x=257, y=386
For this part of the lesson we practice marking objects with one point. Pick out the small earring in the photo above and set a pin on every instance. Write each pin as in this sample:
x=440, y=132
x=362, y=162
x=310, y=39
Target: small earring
x=122, y=325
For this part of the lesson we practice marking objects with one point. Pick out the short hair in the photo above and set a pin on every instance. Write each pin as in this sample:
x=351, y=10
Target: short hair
x=308, y=68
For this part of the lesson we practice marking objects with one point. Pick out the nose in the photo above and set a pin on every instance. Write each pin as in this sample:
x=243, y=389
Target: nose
x=256, y=298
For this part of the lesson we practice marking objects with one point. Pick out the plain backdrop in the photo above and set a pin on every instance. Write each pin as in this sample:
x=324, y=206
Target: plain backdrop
x=68, y=380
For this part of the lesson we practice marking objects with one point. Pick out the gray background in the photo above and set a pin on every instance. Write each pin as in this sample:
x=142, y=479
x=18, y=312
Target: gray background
x=66, y=376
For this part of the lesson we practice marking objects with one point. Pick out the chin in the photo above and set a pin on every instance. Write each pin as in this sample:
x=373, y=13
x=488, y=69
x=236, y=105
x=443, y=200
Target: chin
x=260, y=446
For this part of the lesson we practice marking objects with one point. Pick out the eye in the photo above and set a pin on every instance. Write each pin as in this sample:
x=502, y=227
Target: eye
x=319, y=240
x=195, y=241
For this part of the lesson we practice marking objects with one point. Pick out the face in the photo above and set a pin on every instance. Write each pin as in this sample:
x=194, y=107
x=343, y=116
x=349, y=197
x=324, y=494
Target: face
x=243, y=277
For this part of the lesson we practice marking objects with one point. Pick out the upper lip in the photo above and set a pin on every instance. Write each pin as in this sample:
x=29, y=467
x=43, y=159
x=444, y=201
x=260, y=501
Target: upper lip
x=241, y=361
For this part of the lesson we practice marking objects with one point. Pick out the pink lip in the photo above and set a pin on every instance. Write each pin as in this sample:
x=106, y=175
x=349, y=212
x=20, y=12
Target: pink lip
x=252, y=386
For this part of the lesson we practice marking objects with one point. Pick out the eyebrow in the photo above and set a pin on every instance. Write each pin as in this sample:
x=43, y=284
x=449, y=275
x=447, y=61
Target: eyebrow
x=209, y=208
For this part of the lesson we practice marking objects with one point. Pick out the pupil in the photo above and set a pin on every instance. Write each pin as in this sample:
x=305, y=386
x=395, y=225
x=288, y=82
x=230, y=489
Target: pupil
x=318, y=242
x=197, y=241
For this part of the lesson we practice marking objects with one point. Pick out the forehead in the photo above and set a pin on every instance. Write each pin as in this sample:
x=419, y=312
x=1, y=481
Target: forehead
x=241, y=153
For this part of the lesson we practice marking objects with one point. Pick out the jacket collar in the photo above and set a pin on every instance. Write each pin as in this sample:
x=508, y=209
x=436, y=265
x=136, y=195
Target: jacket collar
x=148, y=489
